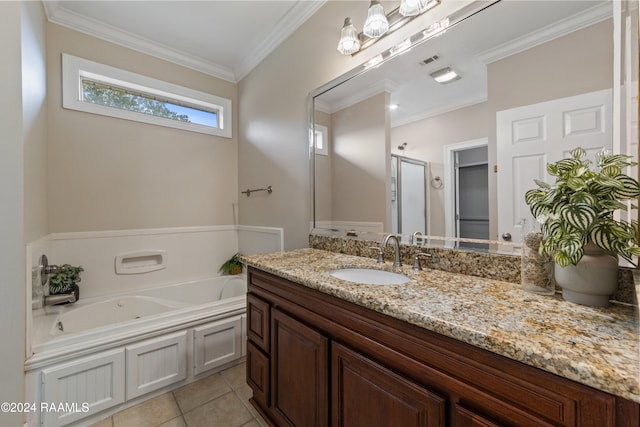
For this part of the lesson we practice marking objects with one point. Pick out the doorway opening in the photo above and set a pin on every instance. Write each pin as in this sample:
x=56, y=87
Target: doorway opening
x=467, y=198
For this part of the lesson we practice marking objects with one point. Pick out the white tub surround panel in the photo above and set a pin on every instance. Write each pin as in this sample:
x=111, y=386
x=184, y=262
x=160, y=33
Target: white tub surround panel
x=189, y=253
x=258, y=240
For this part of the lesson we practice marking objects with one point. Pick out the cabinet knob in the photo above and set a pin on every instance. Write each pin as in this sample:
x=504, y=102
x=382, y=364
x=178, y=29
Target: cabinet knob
x=506, y=237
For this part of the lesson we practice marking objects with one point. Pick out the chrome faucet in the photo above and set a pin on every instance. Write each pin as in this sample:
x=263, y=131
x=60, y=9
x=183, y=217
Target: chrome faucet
x=394, y=239
x=59, y=298
x=417, y=236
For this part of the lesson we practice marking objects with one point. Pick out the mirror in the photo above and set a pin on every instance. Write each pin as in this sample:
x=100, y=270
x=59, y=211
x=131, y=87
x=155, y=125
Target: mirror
x=516, y=61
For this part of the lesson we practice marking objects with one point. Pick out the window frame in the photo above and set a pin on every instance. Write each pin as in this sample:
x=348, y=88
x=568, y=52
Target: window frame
x=75, y=69
x=324, y=131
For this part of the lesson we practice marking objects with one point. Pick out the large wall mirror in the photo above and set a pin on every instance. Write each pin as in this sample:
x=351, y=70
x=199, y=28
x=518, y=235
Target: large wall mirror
x=397, y=151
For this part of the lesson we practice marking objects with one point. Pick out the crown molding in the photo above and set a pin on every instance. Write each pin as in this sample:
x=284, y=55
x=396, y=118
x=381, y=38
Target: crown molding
x=293, y=19
x=381, y=86
x=468, y=102
x=92, y=27
x=550, y=32
x=322, y=106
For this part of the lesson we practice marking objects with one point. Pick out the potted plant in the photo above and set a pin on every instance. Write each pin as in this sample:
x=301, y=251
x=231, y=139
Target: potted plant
x=66, y=280
x=232, y=265
x=576, y=214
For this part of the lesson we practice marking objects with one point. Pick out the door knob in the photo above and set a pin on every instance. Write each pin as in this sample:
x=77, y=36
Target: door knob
x=506, y=237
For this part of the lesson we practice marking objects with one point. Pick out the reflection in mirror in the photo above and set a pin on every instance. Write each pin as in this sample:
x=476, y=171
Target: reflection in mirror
x=534, y=80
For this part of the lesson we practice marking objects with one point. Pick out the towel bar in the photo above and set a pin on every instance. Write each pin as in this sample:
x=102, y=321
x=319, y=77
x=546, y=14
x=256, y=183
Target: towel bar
x=248, y=192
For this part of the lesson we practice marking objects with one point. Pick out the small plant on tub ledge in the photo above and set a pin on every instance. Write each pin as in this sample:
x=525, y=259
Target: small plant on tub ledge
x=232, y=265
x=65, y=280
x=579, y=230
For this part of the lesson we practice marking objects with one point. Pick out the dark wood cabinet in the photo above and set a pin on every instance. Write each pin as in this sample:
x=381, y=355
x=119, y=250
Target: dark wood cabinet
x=366, y=394
x=299, y=368
x=466, y=418
x=317, y=360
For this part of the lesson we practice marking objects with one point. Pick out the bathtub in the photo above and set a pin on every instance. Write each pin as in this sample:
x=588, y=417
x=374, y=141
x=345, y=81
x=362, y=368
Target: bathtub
x=98, y=322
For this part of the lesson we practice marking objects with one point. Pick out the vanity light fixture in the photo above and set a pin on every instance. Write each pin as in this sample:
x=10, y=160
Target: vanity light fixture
x=444, y=75
x=413, y=7
x=378, y=24
x=349, y=42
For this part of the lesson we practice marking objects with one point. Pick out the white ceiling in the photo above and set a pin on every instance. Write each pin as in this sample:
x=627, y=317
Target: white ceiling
x=501, y=30
x=226, y=39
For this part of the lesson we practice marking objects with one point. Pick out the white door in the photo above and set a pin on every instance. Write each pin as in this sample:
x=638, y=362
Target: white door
x=529, y=137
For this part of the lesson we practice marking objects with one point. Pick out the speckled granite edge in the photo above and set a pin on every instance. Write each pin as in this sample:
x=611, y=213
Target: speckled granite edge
x=597, y=347
x=480, y=264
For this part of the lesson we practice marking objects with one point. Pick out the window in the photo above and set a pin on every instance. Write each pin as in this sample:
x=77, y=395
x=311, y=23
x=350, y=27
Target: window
x=322, y=140
x=101, y=89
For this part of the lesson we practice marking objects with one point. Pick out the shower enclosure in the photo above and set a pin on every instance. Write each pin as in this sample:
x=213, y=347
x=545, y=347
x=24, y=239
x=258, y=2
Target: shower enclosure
x=409, y=195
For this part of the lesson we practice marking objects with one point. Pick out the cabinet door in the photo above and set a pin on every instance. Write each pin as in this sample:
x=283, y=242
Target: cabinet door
x=367, y=394
x=299, y=370
x=466, y=418
x=156, y=363
x=258, y=322
x=258, y=374
x=216, y=344
x=83, y=387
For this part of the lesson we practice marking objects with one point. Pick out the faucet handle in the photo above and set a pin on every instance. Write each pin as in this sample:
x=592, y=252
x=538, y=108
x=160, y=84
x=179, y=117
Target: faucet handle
x=380, y=253
x=416, y=260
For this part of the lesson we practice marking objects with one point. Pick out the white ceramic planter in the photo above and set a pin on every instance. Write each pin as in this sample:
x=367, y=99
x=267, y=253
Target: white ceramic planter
x=592, y=281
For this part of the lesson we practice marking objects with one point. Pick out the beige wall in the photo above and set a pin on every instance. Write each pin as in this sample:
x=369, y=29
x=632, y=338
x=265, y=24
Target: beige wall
x=426, y=140
x=324, y=179
x=273, y=99
x=359, y=161
x=578, y=63
x=106, y=173
x=34, y=90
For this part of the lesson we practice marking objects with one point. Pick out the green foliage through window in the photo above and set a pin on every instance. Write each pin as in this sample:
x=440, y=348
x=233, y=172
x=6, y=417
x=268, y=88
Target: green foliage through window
x=110, y=96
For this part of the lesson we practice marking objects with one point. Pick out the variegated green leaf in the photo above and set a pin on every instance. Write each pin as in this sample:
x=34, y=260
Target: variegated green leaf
x=611, y=170
x=550, y=197
x=578, y=153
x=567, y=164
x=538, y=209
x=533, y=196
x=600, y=237
x=620, y=160
x=630, y=188
x=542, y=184
x=610, y=182
x=583, y=197
x=580, y=215
x=576, y=184
x=611, y=205
x=550, y=229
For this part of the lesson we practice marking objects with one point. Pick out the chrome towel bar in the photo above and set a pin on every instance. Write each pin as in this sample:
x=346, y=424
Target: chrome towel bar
x=248, y=192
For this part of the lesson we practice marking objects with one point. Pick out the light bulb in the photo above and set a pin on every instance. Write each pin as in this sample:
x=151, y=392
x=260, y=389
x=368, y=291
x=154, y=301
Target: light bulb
x=376, y=24
x=349, y=42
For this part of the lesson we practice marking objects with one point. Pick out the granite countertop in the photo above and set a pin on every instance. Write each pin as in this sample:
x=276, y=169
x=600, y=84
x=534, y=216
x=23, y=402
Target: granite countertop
x=598, y=347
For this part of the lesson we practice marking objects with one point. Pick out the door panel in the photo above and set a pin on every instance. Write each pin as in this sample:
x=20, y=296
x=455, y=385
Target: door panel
x=300, y=373
x=531, y=136
x=366, y=394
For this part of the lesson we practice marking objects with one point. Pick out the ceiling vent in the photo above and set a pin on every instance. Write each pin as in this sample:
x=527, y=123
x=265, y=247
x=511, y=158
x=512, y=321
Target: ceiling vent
x=429, y=60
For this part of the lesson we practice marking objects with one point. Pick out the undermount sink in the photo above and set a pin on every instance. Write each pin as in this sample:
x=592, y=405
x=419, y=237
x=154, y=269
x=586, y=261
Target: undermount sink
x=369, y=276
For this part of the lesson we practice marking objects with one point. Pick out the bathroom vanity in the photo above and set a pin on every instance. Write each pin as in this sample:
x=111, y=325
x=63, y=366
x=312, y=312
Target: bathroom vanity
x=443, y=349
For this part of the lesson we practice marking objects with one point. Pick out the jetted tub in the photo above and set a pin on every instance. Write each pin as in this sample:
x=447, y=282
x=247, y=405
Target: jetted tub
x=102, y=320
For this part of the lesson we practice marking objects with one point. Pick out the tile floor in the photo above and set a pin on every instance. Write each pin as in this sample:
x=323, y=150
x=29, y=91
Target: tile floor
x=219, y=400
